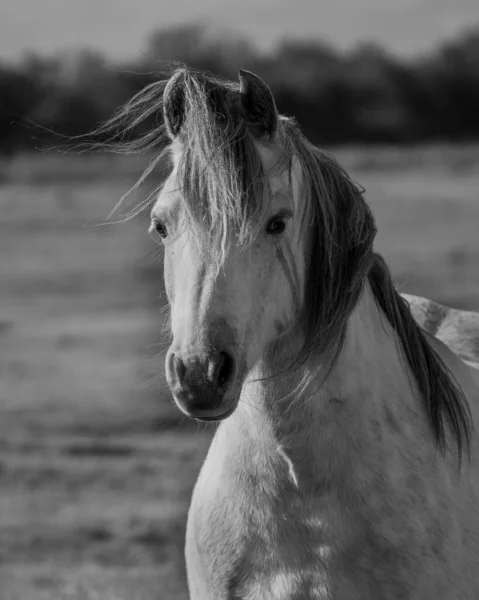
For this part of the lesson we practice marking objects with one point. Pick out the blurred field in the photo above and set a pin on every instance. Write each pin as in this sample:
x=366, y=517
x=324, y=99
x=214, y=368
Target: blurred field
x=96, y=465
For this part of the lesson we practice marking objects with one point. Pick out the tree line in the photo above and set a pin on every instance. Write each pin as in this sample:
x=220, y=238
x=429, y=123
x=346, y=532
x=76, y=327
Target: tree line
x=362, y=96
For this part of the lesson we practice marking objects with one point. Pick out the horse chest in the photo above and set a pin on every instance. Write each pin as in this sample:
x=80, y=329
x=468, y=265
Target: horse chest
x=244, y=544
x=252, y=554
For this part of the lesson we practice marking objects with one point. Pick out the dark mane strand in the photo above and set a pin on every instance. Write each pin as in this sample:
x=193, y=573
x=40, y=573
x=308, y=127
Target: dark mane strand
x=444, y=400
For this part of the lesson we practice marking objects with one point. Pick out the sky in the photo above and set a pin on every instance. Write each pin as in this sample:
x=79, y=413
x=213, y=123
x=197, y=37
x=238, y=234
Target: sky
x=119, y=28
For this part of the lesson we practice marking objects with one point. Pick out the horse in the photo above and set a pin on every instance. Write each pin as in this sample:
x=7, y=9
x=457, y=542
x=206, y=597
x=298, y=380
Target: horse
x=345, y=462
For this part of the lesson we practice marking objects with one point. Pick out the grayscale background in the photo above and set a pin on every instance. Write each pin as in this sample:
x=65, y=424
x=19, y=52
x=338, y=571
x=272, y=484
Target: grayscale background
x=96, y=464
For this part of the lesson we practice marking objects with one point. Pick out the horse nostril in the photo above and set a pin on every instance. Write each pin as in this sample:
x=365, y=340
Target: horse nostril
x=179, y=368
x=225, y=368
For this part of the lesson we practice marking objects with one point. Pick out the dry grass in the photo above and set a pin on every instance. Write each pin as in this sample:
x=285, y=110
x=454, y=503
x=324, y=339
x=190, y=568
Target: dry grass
x=96, y=464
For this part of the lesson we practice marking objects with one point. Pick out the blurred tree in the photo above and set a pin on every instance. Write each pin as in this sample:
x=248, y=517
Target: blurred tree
x=379, y=113
x=82, y=91
x=220, y=53
x=307, y=79
x=457, y=76
x=18, y=94
x=183, y=44
x=363, y=96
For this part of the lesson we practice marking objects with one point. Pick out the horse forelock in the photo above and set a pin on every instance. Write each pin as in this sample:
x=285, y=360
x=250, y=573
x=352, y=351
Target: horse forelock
x=219, y=173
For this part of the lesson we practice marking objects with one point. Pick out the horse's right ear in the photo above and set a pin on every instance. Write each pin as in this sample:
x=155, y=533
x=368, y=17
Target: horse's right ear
x=174, y=104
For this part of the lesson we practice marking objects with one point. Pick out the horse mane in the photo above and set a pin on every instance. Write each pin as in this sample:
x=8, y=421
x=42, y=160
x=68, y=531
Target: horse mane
x=342, y=260
x=223, y=184
x=444, y=400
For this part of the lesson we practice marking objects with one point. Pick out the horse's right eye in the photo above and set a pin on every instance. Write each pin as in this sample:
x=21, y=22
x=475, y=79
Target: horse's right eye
x=159, y=227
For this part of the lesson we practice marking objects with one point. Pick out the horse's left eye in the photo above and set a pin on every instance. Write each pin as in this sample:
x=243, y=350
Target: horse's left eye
x=276, y=226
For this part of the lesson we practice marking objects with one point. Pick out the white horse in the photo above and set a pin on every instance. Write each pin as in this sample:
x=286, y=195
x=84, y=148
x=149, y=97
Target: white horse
x=346, y=463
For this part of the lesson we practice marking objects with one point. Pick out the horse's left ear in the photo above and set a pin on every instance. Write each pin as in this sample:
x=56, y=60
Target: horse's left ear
x=257, y=106
x=174, y=104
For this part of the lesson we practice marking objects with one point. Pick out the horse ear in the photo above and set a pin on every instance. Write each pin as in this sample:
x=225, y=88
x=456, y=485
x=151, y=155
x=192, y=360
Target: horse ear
x=174, y=105
x=257, y=105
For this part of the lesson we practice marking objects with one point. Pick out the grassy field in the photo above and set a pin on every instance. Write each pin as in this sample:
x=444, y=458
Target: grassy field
x=96, y=465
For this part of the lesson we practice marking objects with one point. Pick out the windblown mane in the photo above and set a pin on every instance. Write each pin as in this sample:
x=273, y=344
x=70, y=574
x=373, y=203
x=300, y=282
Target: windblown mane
x=223, y=185
x=444, y=399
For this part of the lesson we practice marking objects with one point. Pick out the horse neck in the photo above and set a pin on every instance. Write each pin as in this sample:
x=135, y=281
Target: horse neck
x=351, y=423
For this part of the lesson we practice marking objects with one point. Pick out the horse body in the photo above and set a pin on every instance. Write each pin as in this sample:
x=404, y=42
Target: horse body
x=357, y=504
x=346, y=464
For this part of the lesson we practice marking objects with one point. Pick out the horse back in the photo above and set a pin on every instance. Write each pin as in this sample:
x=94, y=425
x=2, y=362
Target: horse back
x=458, y=329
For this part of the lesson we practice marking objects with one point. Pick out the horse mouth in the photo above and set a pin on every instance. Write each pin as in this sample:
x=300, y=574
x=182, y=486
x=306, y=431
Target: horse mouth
x=206, y=415
x=216, y=418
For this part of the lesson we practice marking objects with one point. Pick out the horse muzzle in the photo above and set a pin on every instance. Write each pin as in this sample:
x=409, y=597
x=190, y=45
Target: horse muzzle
x=200, y=385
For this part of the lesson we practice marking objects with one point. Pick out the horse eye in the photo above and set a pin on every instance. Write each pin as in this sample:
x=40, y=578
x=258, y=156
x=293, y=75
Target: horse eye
x=160, y=228
x=276, y=226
